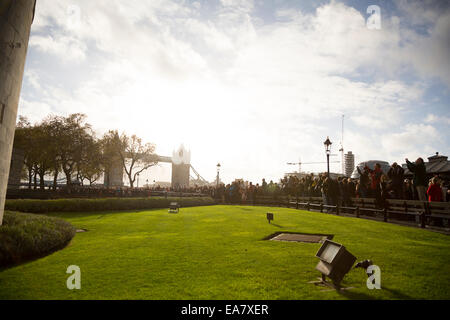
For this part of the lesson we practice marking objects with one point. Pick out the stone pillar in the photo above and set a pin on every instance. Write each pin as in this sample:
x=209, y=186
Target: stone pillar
x=180, y=175
x=16, y=17
x=114, y=176
x=181, y=166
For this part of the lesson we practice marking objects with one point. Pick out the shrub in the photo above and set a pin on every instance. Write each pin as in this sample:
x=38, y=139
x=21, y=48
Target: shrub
x=25, y=236
x=106, y=204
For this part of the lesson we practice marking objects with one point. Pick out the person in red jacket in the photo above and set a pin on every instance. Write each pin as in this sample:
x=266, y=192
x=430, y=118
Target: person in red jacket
x=375, y=176
x=434, y=191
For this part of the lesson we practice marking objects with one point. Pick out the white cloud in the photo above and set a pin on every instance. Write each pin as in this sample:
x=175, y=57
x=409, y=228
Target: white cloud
x=413, y=140
x=65, y=48
x=431, y=118
x=32, y=77
x=34, y=110
x=244, y=5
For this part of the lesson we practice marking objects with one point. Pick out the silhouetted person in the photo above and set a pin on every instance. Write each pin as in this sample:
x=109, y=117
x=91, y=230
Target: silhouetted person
x=363, y=181
x=375, y=185
x=419, y=178
x=396, y=174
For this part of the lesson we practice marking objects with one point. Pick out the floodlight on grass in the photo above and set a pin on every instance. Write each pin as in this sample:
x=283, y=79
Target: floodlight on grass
x=269, y=217
x=335, y=262
x=174, y=207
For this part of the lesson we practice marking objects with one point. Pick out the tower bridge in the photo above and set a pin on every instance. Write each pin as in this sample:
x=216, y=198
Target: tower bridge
x=181, y=169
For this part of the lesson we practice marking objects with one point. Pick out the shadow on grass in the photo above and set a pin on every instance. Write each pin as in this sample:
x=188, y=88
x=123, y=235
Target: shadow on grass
x=30, y=259
x=276, y=225
x=273, y=235
x=362, y=296
x=100, y=214
x=397, y=294
x=355, y=295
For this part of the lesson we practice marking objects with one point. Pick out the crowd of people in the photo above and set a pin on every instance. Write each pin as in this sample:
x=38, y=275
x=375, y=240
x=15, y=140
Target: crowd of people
x=78, y=191
x=372, y=183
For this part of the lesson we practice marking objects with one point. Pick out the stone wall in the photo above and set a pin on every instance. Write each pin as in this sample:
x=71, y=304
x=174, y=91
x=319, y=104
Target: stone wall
x=16, y=17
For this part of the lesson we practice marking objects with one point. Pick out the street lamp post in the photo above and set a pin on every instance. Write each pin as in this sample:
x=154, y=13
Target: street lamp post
x=327, y=145
x=218, y=178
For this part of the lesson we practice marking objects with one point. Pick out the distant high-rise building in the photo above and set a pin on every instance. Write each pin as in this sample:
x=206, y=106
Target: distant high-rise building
x=349, y=159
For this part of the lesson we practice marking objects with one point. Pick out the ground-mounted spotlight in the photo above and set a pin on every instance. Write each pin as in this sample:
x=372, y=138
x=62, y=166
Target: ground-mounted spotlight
x=174, y=207
x=269, y=217
x=335, y=262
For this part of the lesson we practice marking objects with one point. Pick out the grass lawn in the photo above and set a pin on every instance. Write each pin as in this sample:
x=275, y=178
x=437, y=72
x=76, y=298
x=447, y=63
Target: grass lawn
x=218, y=253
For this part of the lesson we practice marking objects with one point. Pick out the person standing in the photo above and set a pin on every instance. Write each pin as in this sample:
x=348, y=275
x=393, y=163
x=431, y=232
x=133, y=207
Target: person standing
x=408, y=190
x=351, y=190
x=434, y=191
x=363, y=181
x=445, y=191
x=396, y=175
x=384, y=193
x=323, y=184
x=375, y=186
x=419, y=178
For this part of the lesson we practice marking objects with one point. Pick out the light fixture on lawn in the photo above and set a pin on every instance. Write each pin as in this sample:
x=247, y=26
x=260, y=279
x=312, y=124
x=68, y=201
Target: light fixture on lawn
x=335, y=262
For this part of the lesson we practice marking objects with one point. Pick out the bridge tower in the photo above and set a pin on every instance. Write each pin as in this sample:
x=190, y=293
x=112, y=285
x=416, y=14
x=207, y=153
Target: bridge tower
x=181, y=166
x=16, y=17
x=114, y=175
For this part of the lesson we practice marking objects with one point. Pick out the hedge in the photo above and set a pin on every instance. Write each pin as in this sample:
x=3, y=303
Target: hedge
x=105, y=204
x=28, y=236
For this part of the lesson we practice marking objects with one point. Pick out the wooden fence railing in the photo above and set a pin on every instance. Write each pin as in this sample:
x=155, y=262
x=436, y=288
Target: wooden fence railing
x=423, y=213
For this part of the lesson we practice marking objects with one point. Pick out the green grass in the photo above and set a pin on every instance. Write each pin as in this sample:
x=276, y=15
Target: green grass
x=218, y=253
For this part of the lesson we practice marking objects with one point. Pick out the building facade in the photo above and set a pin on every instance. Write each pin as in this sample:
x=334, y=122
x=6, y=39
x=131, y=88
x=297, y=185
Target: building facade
x=349, y=163
x=385, y=166
x=16, y=17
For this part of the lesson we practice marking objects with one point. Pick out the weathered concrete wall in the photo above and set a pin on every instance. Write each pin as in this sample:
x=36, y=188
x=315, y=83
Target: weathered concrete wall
x=16, y=17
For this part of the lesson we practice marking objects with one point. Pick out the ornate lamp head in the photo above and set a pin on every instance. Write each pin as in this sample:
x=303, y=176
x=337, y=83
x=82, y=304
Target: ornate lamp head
x=327, y=145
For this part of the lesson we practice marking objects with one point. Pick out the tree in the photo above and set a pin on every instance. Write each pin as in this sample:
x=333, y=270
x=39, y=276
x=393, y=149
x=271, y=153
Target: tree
x=38, y=146
x=110, y=153
x=68, y=144
x=90, y=166
x=44, y=155
x=135, y=155
x=23, y=139
x=71, y=135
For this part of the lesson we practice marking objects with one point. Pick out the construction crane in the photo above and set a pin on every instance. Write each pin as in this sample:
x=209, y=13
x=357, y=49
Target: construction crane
x=341, y=150
x=299, y=164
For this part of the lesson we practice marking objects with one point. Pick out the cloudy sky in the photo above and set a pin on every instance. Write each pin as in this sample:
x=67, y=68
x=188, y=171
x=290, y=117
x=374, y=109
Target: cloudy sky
x=252, y=84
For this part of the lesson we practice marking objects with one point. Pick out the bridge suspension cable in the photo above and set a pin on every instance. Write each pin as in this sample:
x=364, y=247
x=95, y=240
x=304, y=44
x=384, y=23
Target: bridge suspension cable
x=199, y=177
